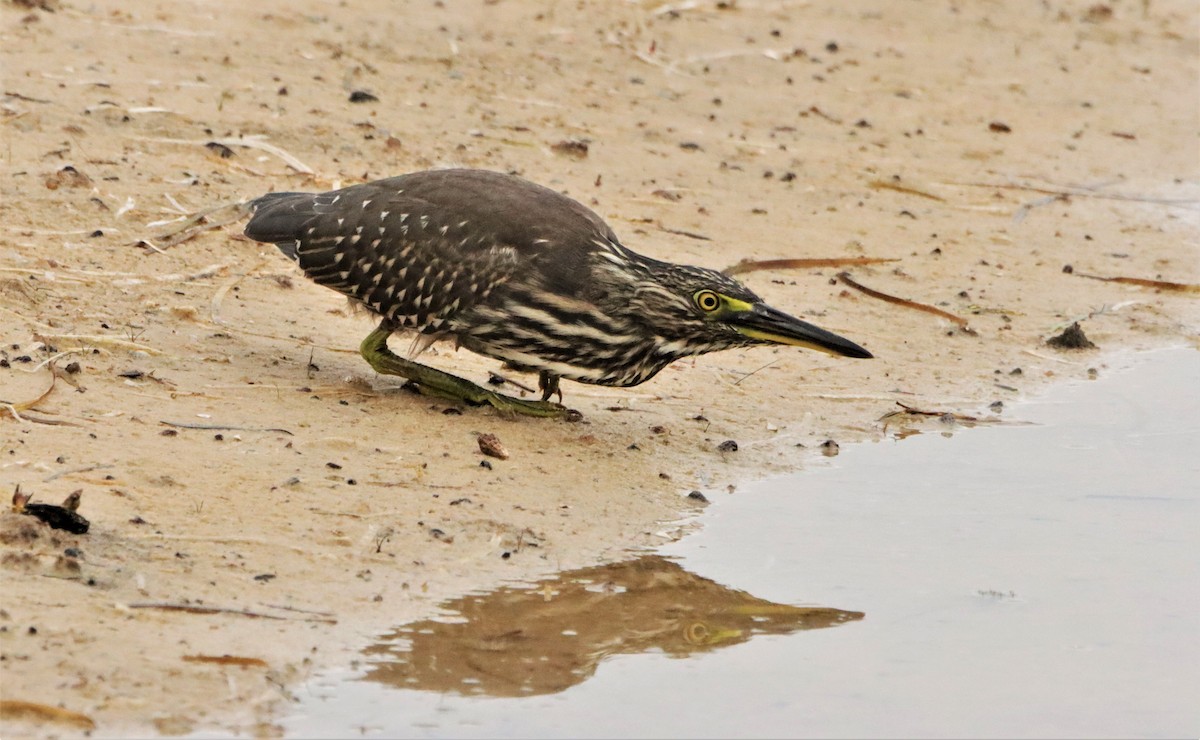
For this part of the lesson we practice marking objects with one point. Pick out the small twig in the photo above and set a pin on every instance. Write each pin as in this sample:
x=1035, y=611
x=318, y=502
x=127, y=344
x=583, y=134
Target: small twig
x=43, y=420
x=87, y=469
x=149, y=245
x=18, y=709
x=959, y=321
x=671, y=68
x=1078, y=319
x=198, y=223
x=775, y=55
x=282, y=607
x=749, y=265
x=681, y=232
x=238, y=660
x=223, y=427
x=26, y=98
x=1025, y=208
x=98, y=340
x=185, y=216
x=1041, y=356
x=210, y=540
x=182, y=236
x=675, y=7
x=251, y=142
x=940, y=414
x=752, y=372
x=1145, y=283
x=1062, y=193
x=889, y=185
x=58, y=276
x=510, y=381
x=196, y=609
x=943, y=416
x=128, y=206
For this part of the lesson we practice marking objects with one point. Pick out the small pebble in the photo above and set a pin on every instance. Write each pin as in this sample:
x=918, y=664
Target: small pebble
x=1071, y=338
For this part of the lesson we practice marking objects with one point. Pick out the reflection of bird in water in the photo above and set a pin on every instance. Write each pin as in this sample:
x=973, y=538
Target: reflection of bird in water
x=518, y=272
x=552, y=635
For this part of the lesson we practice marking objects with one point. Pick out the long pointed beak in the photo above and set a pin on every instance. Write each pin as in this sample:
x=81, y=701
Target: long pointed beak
x=767, y=324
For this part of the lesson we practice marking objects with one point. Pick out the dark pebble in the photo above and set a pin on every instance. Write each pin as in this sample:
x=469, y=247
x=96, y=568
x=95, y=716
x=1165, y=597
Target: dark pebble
x=1071, y=338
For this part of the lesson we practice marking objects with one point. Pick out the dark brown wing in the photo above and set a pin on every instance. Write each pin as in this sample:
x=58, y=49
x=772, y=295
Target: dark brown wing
x=418, y=248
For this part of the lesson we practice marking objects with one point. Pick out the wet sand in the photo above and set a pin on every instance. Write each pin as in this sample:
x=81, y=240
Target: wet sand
x=981, y=147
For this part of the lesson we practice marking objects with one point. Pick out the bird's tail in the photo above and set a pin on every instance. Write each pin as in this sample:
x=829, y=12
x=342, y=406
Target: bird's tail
x=279, y=218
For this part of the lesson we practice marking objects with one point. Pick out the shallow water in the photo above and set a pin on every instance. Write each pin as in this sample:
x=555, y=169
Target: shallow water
x=1010, y=580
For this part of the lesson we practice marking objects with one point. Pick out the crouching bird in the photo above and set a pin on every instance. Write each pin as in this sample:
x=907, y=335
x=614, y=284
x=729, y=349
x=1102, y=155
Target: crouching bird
x=518, y=272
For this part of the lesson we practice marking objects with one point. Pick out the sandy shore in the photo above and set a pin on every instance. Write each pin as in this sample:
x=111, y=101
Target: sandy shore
x=981, y=146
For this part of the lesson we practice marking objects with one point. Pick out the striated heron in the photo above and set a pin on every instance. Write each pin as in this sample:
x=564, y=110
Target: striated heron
x=518, y=272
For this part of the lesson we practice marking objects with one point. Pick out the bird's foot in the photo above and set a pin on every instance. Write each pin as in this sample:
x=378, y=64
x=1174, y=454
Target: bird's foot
x=548, y=384
x=436, y=383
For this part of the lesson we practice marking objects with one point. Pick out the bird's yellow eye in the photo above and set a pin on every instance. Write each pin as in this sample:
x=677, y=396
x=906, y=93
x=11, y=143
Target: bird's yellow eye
x=696, y=633
x=707, y=300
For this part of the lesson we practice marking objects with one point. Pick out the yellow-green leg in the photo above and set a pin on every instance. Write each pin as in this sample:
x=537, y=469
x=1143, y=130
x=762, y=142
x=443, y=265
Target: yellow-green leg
x=434, y=382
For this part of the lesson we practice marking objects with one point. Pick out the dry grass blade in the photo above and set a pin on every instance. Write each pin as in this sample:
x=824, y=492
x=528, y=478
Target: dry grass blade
x=749, y=265
x=16, y=709
x=923, y=412
x=251, y=142
x=958, y=320
x=197, y=609
x=285, y=608
x=1069, y=192
x=198, y=223
x=14, y=407
x=98, y=340
x=681, y=232
x=73, y=471
x=48, y=422
x=227, y=660
x=906, y=414
x=223, y=427
x=887, y=185
x=1146, y=283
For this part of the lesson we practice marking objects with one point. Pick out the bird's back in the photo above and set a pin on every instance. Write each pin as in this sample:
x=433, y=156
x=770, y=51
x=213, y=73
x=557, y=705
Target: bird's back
x=420, y=247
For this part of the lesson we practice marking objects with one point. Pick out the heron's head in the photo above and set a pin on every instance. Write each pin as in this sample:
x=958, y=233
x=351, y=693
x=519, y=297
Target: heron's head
x=702, y=310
